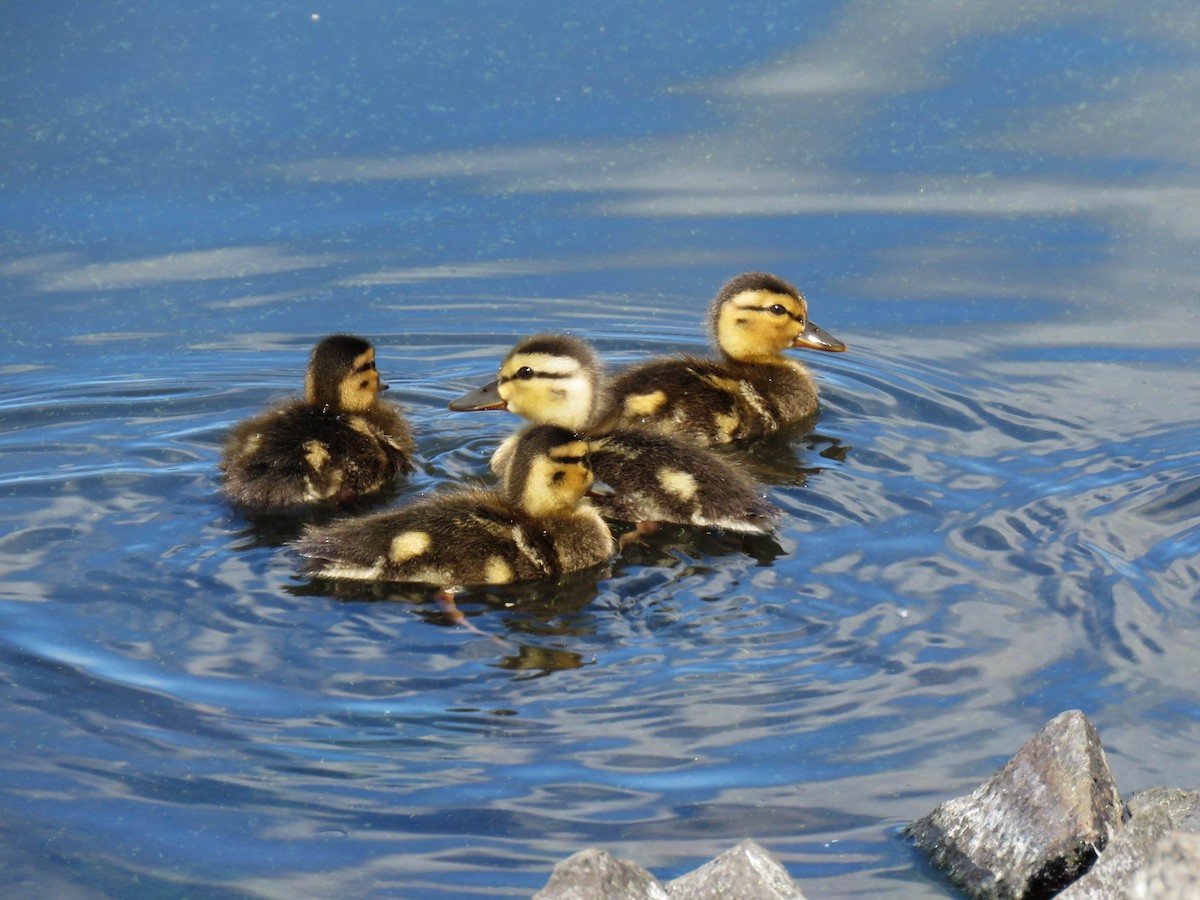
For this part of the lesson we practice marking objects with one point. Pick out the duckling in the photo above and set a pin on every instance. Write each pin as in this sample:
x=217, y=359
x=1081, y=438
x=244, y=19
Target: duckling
x=338, y=443
x=556, y=379
x=752, y=391
x=540, y=524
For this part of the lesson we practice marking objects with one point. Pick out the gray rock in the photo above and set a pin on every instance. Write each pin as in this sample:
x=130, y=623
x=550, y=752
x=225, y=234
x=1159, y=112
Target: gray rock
x=747, y=872
x=1034, y=826
x=598, y=875
x=1181, y=806
x=1153, y=815
x=1172, y=871
x=1112, y=874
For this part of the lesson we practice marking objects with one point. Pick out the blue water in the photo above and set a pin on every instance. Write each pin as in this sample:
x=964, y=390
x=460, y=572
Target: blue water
x=996, y=518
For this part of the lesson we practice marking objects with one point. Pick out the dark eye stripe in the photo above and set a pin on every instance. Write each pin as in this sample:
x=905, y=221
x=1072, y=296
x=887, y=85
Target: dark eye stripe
x=504, y=379
x=570, y=460
x=790, y=314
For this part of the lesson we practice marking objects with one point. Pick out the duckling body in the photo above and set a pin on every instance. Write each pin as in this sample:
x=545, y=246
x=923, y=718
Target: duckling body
x=655, y=478
x=539, y=525
x=662, y=479
x=338, y=443
x=751, y=391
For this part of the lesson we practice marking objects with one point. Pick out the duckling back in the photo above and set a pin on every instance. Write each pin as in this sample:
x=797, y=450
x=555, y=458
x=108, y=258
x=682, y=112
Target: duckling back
x=460, y=538
x=657, y=478
x=337, y=444
x=713, y=402
x=302, y=455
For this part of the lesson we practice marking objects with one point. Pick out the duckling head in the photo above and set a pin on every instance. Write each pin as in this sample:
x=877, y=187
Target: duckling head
x=550, y=473
x=549, y=379
x=342, y=375
x=757, y=315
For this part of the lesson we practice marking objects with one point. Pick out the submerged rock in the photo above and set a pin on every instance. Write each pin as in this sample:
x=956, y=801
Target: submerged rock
x=1136, y=853
x=1172, y=871
x=1182, y=807
x=594, y=874
x=747, y=872
x=1037, y=824
x=1049, y=823
x=1113, y=872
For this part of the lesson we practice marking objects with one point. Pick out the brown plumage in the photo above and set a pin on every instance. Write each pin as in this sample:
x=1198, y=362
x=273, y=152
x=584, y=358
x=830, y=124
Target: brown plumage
x=338, y=443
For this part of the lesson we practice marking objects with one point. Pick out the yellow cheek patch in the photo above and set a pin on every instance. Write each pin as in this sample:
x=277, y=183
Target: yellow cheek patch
x=408, y=544
x=355, y=398
x=644, y=404
x=317, y=454
x=677, y=482
x=497, y=571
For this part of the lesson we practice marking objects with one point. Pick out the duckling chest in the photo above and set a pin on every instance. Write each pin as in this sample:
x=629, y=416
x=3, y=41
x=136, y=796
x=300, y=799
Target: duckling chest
x=770, y=396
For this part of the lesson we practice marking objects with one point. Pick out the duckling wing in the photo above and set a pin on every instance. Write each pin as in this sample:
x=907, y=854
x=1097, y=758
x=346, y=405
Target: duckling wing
x=462, y=538
x=656, y=478
x=709, y=401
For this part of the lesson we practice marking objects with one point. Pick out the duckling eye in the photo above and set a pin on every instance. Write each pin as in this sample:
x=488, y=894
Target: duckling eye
x=777, y=309
x=524, y=373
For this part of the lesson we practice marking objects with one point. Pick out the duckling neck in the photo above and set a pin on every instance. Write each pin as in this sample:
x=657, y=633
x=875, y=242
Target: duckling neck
x=755, y=356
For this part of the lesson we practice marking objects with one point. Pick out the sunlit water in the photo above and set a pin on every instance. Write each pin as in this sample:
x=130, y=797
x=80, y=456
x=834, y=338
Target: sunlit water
x=996, y=517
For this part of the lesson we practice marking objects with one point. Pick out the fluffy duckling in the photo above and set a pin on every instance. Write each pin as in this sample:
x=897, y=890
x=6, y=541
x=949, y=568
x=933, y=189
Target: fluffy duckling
x=340, y=442
x=556, y=379
x=538, y=525
x=752, y=391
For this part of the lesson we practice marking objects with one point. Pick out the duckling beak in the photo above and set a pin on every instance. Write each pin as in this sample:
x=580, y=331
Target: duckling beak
x=486, y=397
x=600, y=489
x=383, y=387
x=814, y=337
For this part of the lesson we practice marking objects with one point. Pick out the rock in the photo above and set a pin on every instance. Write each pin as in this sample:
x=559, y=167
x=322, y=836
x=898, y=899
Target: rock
x=1112, y=874
x=1172, y=871
x=1037, y=824
x=1153, y=816
x=598, y=875
x=747, y=872
x=1182, y=807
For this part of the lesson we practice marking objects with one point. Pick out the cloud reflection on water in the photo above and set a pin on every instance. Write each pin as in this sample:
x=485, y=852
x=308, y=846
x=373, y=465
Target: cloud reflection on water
x=198, y=265
x=809, y=135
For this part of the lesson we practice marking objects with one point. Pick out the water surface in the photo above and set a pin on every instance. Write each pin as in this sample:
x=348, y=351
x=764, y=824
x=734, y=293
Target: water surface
x=996, y=517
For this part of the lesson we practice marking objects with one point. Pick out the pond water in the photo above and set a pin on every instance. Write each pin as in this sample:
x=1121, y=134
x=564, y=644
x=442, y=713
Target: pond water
x=996, y=517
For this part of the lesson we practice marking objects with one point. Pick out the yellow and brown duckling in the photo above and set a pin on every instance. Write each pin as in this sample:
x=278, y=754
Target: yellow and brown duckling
x=751, y=391
x=338, y=443
x=556, y=379
x=538, y=525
